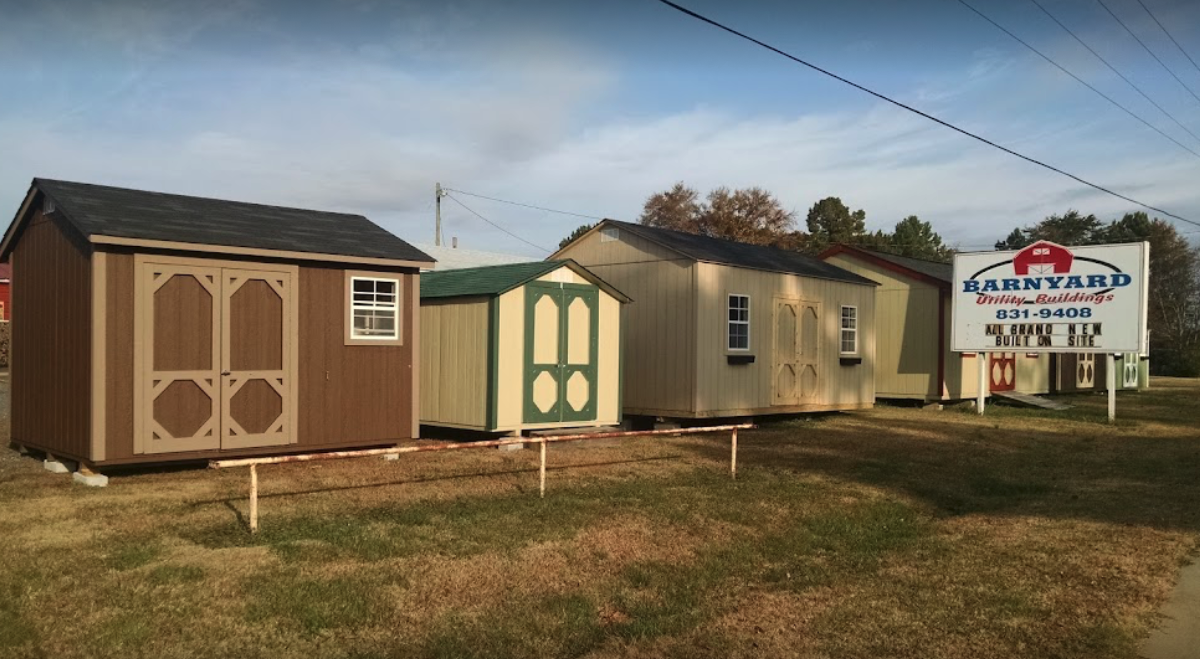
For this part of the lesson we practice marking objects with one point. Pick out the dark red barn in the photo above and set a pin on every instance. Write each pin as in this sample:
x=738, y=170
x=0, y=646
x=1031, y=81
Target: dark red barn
x=1043, y=257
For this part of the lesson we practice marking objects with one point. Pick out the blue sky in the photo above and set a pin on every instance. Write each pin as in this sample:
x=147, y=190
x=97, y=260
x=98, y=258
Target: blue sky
x=362, y=106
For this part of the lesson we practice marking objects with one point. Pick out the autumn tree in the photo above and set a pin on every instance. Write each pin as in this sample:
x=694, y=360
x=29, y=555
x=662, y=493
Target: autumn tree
x=748, y=215
x=579, y=231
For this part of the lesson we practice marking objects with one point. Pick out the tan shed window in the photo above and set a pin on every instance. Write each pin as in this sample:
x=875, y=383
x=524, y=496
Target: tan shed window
x=739, y=322
x=374, y=310
x=849, y=336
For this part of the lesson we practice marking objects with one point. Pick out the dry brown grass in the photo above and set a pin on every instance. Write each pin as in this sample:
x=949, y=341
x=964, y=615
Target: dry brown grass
x=897, y=532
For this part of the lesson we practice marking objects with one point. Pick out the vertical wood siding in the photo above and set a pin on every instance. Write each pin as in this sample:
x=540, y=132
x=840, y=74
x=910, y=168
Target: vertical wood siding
x=659, y=325
x=51, y=352
x=731, y=390
x=118, y=394
x=454, y=362
x=351, y=395
x=348, y=395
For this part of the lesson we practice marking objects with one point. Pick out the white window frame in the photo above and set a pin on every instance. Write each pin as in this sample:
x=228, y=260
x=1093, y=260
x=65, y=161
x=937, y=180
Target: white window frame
x=842, y=330
x=352, y=305
x=730, y=323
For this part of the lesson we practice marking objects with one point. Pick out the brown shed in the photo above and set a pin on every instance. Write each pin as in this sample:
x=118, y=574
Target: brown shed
x=161, y=327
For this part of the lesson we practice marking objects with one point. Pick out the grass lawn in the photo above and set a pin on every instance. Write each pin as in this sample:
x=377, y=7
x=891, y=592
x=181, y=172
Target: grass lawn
x=897, y=532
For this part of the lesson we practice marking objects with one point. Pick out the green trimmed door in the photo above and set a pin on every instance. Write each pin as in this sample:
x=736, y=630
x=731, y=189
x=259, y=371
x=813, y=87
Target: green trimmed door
x=561, y=351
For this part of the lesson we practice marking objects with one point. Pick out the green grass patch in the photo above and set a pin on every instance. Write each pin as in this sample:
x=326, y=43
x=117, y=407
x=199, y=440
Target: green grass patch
x=166, y=575
x=132, y=556
x=313, y=605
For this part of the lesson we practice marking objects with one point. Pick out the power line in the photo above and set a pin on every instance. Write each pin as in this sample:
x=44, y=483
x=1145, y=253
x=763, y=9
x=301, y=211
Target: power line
x=1137, y=39
x=1084, y=82
x=1113, y=69
x=928, y=116
x=517, y=203
x=469, y=210
x=1164, y=29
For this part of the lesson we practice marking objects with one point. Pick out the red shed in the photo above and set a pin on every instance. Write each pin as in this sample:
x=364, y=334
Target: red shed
x=5, y=291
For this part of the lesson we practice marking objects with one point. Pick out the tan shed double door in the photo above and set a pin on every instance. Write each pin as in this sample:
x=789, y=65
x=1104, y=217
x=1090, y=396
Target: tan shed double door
x=215, y=356
x=795, y=373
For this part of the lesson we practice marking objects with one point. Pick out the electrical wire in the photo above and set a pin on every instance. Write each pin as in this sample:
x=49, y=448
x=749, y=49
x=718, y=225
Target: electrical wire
x=517, y=203
x=926, y=115
x=1164, y=29
x=1143, y=44
x=471, y=211
x=1113, y=69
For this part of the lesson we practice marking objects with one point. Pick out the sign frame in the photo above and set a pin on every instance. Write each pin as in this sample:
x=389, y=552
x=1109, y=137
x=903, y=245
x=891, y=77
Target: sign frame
x=1059, y=260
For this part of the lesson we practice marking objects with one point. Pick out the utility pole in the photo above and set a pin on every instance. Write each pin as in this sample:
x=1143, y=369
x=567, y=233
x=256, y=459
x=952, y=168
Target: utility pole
x=437, y=230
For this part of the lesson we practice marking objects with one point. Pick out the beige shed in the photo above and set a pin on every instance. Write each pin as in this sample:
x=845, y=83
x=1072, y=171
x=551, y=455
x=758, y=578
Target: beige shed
x=524, y=346
x=725, y=329
x=913, y=360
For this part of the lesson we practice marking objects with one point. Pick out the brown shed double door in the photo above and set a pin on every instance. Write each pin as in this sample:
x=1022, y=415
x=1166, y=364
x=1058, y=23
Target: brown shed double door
x=215, y=355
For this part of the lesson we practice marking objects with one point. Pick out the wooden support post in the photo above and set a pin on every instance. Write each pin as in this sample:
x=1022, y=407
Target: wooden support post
x=984, y=367
x=253, y=499
x=1112, y=388
x=542, y=471
x=733, y=455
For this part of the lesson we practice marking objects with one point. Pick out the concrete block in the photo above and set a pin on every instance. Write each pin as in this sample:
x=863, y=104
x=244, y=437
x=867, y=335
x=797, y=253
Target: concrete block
x=392, y=457
x=91, y=479
x=511, y=447
x=53, y=466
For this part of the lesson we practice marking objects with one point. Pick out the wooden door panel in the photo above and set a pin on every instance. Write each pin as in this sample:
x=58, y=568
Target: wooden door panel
x=581, y=326
x=1085, y=370
x=544, y=338
x=1002, y=373
x=809, y=359
x=176, y=355
x=785, y=380
x=1130, y=370
x=257, y=336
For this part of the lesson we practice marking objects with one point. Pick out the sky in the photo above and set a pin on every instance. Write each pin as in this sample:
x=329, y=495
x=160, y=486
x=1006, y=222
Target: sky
x=363, y=105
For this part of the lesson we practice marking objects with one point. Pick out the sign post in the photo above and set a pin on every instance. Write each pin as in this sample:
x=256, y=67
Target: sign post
x=1047, y=298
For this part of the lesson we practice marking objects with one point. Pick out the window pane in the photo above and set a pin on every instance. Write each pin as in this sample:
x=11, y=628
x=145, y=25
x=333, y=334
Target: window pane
x=364, y=286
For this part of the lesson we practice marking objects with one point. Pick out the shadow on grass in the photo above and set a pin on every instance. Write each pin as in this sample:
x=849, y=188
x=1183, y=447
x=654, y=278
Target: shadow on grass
x=1015, y=461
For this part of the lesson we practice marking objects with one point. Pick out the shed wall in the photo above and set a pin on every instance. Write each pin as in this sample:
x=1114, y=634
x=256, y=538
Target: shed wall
x=347, y=395
x=50, y=368
x=659, y=372
x=454, y=362
x=906, y=313
x=732, y=390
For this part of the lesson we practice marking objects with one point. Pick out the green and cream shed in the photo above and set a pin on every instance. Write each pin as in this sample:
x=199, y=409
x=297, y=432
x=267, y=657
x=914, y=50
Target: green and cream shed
x=523, y=346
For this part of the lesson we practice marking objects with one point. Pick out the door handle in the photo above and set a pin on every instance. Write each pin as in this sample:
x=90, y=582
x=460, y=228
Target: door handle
x=224, y=372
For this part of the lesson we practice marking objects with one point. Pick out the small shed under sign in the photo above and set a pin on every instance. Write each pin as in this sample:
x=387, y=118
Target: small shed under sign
x=517, y=347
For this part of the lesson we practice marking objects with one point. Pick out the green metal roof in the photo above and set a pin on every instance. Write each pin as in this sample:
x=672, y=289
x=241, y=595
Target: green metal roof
x=484, y=280
x=496, y=279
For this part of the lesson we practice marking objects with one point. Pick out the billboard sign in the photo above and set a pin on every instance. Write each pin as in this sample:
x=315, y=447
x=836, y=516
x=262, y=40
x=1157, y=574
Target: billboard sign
x=1050, y=298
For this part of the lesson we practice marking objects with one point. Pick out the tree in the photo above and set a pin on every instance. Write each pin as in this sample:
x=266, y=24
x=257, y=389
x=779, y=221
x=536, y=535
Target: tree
x=830, y=222
x=579, y=231
x=916, y=239
x=749, y=215
x=1070, y=228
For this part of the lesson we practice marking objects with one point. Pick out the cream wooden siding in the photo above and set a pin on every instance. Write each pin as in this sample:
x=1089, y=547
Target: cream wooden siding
x=510, y=393
x=659, y=324
x=733, y=390
x=1033, y=373
x=454, y=369
x=906, y=315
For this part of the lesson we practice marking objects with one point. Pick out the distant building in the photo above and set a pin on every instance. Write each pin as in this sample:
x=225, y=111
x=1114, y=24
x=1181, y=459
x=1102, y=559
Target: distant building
x=457, y=258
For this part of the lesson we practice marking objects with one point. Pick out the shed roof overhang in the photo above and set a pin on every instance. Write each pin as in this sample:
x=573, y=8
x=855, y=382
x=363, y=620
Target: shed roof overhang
x=874, y=259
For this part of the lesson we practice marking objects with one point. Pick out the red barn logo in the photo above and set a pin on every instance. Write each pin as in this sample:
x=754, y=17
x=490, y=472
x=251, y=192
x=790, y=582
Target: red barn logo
x=1043, y=258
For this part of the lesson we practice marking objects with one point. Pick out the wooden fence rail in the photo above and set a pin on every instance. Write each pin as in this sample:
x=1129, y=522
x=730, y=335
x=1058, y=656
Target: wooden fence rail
x=253, y=463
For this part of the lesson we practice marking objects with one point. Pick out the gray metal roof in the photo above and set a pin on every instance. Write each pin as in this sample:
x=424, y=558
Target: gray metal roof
x=728, y=252
x=99, y=210
x=456, y=258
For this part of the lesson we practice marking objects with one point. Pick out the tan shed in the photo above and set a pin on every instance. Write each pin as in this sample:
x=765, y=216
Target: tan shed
x=517, y=347
x=913, y=357
x=163, y=328
x=724, y=329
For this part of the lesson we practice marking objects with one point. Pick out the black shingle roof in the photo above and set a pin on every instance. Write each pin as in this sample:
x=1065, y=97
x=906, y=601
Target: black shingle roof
x=940, y=271
x=99, y=210
x=758, y=257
